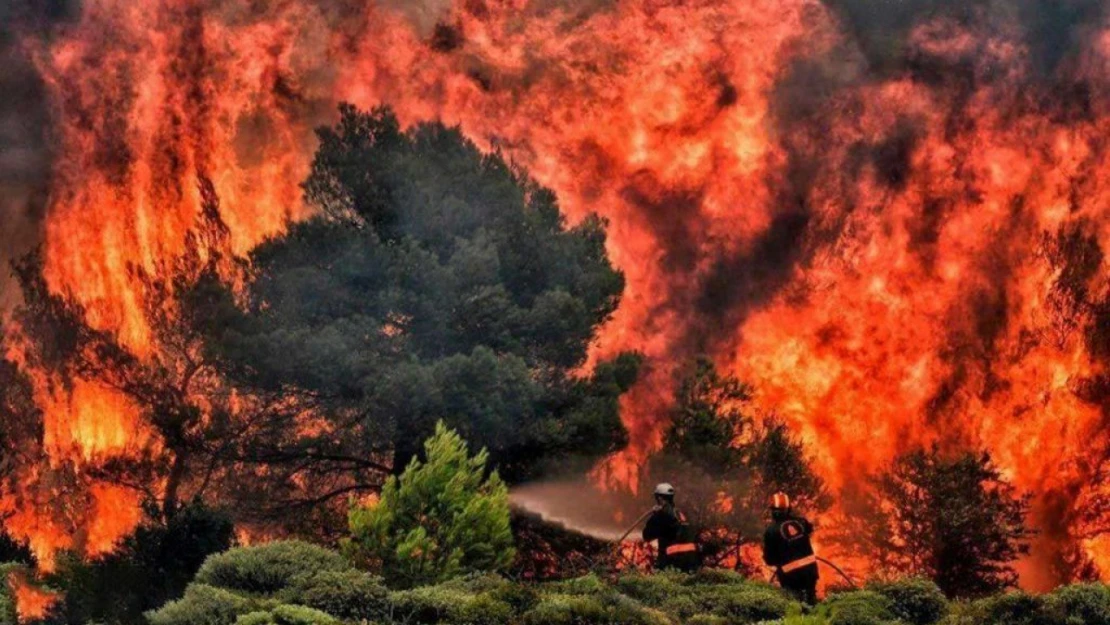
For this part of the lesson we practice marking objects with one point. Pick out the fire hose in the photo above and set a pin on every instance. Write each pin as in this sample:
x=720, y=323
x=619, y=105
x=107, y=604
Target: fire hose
x=840, y=571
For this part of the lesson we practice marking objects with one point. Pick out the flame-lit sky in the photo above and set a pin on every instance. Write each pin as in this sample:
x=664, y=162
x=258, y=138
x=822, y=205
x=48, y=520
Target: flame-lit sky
x=866, y=209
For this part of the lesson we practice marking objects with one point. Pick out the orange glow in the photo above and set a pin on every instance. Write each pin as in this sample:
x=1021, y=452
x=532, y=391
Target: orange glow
x=31, y=602
x=921, y=305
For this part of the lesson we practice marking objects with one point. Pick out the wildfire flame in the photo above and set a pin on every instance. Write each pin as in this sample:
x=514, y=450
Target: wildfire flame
x=887, y=258
x=31, y=602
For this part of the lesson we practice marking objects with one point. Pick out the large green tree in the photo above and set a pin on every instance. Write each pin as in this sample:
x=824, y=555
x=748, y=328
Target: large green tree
x=436, y=282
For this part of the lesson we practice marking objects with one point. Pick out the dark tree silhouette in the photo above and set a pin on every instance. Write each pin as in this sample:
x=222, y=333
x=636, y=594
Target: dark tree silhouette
x=953, y=519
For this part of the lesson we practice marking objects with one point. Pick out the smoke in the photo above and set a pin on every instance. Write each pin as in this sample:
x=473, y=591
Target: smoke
x=579, y=504
x=1054, y=31
x=25, y=150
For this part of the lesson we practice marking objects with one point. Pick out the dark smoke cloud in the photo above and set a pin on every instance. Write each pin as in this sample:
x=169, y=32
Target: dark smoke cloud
x=1054, y=31
x=25, y=153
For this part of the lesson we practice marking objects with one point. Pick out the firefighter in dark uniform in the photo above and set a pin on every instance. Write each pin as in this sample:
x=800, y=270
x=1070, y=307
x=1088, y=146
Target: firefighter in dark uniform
x=678, y=547
x=786, y=546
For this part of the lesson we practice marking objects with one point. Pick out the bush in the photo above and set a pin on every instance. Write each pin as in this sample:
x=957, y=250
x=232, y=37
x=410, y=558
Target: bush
x=1090, y=603
x=349, y=595
x=436, y=605
x=707, y=619
x=592, y=610
x=1012, y=608
x=654, y=590
x=916, y=601
x=202, y=605
x=255, y=618
x=744, y=604
x=269, y=568
x=860, y=607
x=285, y=614
x=301, y=615
x=716, y=577
x=586, y=585
x=442, y=518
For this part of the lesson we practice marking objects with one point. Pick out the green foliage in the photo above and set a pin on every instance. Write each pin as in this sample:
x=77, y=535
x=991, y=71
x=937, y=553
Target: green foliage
x=268, y=568
x=593, y=610
x=915, y=601
x=432, y=605
x=952, y=519
x=437, y=282
x=441, y=519
x=285, y=614
x=1089, y=603
x=744, y=604
x=861, y=607
x=1012, y=608
x=586, y=585
x=300, y=615
x=348, y=595
x=202, y=605
x=653, y=590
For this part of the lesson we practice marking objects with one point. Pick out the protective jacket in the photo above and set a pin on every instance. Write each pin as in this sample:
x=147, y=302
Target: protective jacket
x=678, y=546
x=787, y=547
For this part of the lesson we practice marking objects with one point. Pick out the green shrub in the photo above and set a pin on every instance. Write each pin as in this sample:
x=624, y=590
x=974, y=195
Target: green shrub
x=706, y=619
x=255, y=618
x=285, y=614
x=1089, y=603
x=1012, y=608
x=586, y=585
x=744, y=604
x=654, y=590
x=442, y=518
x=269, y=568
x=716, y=577
x=432, y=605
x=202, y=605
x=349, y=595
x=519, y=597
x=592, y=610
x=301, y=615
x=916, y=601
x=859, y=607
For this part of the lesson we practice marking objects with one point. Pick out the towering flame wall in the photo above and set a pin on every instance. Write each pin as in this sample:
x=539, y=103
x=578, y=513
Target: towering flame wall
x=897, y=239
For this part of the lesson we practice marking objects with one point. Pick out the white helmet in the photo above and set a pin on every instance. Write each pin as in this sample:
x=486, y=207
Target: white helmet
x=664, y=490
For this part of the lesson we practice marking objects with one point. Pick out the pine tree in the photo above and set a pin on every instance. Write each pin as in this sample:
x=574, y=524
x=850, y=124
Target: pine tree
x=951, y=518
x=442, y=518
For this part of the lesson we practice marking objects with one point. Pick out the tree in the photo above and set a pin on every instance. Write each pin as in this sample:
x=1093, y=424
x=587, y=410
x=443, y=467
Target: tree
x=469, y=298
x=728, y=463
x=953, y=519
x=442, y=518
x=437, y=282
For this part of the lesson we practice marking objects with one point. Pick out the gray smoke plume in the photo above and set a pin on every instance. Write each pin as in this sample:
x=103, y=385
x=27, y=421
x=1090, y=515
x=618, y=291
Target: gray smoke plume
x=25, y=150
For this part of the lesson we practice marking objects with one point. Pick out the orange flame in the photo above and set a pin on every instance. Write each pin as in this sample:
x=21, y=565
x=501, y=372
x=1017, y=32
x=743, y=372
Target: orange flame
x=31, y=602
x=876, y=268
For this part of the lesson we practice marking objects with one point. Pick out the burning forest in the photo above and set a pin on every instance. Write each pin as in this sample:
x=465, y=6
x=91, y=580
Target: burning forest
x=845, y=249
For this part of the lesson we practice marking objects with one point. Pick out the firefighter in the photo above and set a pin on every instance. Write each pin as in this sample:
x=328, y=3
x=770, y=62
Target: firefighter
x=678, y=547
x=786, y=546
